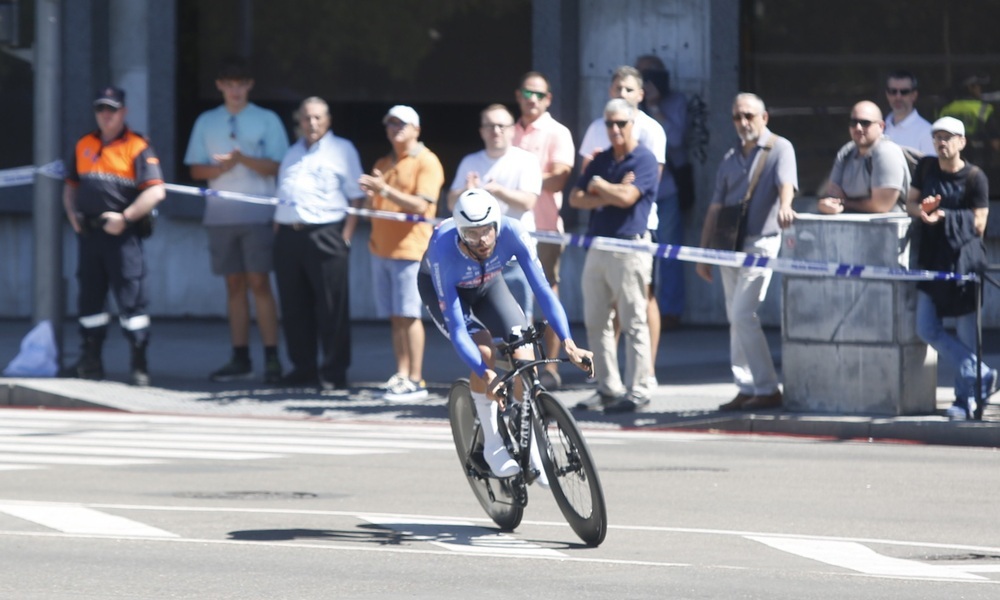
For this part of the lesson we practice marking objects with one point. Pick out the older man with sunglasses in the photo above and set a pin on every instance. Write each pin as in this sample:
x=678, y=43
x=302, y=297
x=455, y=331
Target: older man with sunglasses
x=619, y=185
x=870, y=173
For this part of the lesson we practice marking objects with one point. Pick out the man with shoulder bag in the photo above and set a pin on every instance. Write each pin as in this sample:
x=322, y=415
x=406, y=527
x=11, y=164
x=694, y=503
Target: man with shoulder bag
x=751, y=204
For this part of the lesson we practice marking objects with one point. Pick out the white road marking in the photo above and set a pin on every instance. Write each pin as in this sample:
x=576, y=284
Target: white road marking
x=460, y=536
x=72, y=519
x=69, y=448
x=386, y=441
x=854, y=556
x=847, y=553
x=49, y=459
x=116, y=439
x=232, y=450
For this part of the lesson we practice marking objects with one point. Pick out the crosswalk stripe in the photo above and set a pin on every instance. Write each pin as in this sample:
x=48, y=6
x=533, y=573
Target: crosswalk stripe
x=138, y=452
x=277, y=441
x=80, y=520
x=230, y=447
x=49, y=459
x=32, y=438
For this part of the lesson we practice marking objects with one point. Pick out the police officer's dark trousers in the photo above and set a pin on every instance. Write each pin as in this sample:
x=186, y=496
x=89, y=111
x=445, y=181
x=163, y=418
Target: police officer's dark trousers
x=116, y=263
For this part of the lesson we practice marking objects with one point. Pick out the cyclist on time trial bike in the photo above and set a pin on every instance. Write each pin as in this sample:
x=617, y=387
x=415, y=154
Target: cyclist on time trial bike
x=461, y=285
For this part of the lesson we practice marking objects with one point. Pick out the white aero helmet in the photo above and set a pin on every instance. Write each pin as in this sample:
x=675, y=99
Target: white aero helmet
x=475, y=208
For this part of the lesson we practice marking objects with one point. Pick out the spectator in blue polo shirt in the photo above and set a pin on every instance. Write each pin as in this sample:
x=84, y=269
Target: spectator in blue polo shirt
x=619, y=185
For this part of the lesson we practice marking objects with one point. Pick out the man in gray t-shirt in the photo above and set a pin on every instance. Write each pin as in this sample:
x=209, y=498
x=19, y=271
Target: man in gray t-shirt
x=769, y=210
x=870, y=173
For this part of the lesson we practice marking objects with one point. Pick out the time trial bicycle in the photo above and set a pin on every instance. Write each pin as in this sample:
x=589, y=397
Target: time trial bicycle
x=537, y=416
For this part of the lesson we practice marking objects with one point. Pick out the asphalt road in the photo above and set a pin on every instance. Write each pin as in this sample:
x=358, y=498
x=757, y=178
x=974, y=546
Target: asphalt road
x=101, y=505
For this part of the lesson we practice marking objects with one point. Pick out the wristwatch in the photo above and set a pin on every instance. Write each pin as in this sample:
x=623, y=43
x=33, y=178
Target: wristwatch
x=384, y=192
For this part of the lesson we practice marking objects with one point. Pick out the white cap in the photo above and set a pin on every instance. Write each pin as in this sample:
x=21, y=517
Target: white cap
x=949, y=124
x=404, y=113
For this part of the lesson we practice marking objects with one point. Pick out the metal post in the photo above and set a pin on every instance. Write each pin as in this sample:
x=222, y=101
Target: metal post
x=980, y=401
x=48, y=211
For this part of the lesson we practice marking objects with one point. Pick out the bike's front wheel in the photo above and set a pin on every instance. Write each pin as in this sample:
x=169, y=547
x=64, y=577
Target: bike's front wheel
x=571, y=471
x=495, y=495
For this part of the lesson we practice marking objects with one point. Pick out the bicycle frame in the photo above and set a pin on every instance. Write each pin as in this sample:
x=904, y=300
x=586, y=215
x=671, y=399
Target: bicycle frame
x=524, y=407
x=562, y=451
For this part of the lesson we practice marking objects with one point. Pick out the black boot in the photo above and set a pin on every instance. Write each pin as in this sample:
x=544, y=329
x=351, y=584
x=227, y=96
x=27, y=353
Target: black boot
x=140, y=371
x=89, y=366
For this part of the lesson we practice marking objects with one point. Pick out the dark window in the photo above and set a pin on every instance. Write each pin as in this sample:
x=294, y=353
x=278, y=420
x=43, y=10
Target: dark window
x=811, y=61
x=447, y=59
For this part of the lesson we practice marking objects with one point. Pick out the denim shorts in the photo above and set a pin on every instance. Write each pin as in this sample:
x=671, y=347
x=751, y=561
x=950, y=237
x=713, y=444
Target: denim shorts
x=394, y=282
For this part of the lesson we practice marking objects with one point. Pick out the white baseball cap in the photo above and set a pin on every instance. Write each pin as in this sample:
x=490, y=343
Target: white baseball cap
x=404, y=113
x=949, y=124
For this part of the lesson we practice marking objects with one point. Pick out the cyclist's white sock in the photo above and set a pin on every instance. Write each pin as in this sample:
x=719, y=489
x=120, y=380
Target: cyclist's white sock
x=494, y=451
x=535, y=461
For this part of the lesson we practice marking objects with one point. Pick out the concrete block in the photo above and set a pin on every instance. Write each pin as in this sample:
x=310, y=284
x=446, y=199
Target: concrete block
x=873, y=379
x=880, y=241
x=849, y=310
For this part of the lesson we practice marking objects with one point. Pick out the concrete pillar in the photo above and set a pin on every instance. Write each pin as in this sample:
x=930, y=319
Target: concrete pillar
x=850, y=345
x=129, y=53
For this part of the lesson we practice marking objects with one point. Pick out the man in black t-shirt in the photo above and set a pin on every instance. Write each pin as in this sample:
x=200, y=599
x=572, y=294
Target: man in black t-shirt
x=949, y=198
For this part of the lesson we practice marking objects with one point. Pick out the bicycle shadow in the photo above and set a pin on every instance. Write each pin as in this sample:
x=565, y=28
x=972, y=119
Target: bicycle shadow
x=460, y=537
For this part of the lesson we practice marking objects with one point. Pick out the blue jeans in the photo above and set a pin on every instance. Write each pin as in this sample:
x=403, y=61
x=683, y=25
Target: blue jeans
x=670, y=292
x=958, y=349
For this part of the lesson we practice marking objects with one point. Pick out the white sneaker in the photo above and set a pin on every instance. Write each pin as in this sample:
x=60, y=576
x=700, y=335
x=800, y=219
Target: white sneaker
x=393, y=381
x=652, y=383
x=535, y=461
x=494, y=451
x=406, y=390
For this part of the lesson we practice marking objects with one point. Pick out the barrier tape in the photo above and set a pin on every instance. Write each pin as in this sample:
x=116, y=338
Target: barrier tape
x=727, y=258
x=722, y=258
x=26, y=175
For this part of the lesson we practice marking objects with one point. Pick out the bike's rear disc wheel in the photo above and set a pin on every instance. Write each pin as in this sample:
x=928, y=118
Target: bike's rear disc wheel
x=467, y=435
x=571, y=471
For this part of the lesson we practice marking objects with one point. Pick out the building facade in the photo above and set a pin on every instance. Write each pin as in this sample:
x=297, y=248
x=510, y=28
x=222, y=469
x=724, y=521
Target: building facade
x=449, y=62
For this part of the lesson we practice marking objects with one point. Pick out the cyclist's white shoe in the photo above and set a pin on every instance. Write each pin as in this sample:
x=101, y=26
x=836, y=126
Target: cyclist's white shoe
x=494, y=451
x=535, y=461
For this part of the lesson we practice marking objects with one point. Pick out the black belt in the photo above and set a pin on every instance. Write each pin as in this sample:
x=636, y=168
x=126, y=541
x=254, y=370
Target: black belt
x=308, y=226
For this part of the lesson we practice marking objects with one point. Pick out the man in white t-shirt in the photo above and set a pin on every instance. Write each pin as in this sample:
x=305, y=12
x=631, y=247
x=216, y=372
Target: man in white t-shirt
x=626, y=83
x=904, y=125
x=512, y=175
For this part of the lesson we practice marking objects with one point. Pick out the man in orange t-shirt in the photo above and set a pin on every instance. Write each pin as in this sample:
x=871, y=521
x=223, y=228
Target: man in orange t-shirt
x=408, y=180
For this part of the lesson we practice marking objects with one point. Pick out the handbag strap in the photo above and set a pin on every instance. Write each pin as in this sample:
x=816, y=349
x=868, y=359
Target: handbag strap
x=757, y=170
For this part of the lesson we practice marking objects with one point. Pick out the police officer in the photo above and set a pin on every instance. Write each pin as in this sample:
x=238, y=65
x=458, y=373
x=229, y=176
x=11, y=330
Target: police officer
x=113, y=182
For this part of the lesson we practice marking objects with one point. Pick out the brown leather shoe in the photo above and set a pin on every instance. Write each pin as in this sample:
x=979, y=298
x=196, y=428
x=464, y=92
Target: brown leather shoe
x=736, y=403
x=761, y=402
